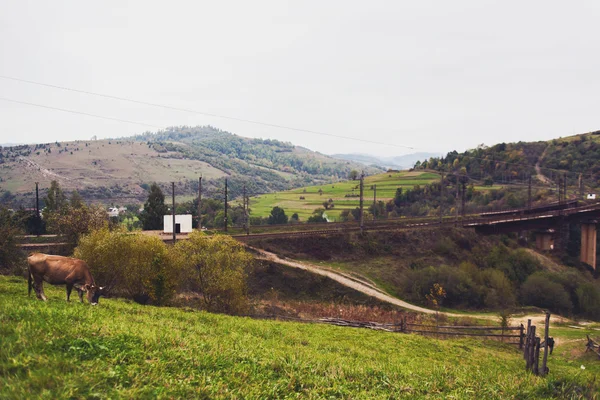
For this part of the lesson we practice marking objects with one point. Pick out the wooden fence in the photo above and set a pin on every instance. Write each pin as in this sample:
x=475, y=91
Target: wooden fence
x=533, y=345
x=517, y=335
x=511, y=334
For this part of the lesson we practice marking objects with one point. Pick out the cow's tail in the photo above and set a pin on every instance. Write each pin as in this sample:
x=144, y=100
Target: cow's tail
x=29, y=282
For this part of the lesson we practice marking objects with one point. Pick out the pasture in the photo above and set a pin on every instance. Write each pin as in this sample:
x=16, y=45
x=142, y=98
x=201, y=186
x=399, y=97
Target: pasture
x=344, y=194
x=119, y=349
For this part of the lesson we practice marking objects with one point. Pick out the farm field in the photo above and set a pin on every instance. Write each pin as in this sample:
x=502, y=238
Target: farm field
x=123, y=350
x=385, y=185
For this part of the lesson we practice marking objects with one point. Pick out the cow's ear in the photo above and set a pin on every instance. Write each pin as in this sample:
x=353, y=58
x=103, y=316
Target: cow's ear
x=87, y=287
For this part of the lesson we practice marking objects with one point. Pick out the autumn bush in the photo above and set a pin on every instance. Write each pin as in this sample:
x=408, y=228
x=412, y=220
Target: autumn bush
x=217, y=267
x=135, y=265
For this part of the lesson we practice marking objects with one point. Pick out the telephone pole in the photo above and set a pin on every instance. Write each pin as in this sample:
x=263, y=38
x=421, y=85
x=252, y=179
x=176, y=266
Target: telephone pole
x=173, y=212
x=38, y=221
x=457, y=199
x=464, y=197
x=581, y=186
x=362, y=175
x=529, y=193
x=245, y=207
x=200, y=203
x=225, y=218
x=374, y=194
x=565, y=187
x=442, y=198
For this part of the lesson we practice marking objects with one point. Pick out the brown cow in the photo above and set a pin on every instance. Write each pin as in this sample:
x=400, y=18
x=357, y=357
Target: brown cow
x=58, y=270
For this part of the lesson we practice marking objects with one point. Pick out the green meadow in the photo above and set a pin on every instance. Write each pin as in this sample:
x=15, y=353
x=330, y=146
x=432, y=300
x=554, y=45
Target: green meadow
x=119, y=349
x=344, y=194
x=385, y=185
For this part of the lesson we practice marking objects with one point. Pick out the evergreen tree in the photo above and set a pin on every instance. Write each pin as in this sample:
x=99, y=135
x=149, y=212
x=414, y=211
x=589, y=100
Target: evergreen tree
x=55, y=200
x=76, y=200
x=277, y=216
x=154, y=209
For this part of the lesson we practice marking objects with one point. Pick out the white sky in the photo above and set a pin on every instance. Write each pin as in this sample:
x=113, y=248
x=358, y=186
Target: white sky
x=435, y=76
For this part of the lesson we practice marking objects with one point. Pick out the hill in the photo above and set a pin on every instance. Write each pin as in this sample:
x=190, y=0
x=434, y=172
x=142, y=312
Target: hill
x=123, y=350
x=545, y=161
x=344, y=194
x=118, y=170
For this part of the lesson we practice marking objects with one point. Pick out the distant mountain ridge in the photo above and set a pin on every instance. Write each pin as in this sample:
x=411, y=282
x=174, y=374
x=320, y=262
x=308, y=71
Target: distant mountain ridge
x=119, y=170
x=397, y=162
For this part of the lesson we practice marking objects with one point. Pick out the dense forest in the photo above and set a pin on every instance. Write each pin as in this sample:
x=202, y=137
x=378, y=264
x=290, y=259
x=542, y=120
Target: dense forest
x=515, y=162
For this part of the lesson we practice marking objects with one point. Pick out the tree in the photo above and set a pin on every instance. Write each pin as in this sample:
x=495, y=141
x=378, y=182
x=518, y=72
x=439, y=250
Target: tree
x=353, y=175
x=75, y=222
x=55, y=200
x=317, y=216
x=154, y=209
x=217, y=267
x=277, y=216
x=9, y=251
x=76, y=200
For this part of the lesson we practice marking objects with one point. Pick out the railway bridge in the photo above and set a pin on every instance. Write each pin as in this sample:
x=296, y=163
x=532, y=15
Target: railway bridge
x=550, y=224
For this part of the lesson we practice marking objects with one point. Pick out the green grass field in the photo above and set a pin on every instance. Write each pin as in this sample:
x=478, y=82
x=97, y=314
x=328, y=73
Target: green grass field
x=59, y=350
x=385, y=185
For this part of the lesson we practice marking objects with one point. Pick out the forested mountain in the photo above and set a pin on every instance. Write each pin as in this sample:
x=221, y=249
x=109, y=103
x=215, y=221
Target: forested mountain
x=120, y=170
x=545, y=161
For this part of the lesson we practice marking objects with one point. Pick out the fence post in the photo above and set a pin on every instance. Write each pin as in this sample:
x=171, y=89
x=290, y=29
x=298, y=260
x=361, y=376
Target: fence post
x=530, y=347
x=526, y=351
x=536, y=360
x=521, y=337
x=546, y=332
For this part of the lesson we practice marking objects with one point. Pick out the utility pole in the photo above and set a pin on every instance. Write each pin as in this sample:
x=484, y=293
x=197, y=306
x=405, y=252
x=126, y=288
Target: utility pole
x=247, y=215
x=244, y=205
x=200, y=203
x=456, y=204
x=581, y=186
x=565, y=187
x=529, y=193
x=374, y=194
x=362, y=175
x=441, y=197
x=37, y=211
x=463, y=197
x=225, y=218
x=173, y=212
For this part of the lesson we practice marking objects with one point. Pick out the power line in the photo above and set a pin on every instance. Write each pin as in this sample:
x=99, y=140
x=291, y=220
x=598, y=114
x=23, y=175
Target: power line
x=249, y=121
x=79, y=112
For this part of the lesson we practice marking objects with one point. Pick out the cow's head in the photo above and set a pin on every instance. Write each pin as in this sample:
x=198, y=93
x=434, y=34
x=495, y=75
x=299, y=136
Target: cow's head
x=93, y=293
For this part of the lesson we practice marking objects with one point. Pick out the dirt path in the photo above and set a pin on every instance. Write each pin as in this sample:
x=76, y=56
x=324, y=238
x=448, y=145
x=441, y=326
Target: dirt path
x=370, y=290
x=351, y=282
x=541, y=177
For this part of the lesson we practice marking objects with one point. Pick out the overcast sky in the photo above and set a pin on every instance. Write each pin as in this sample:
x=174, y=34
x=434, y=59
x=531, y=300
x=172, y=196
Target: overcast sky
x=435, y=76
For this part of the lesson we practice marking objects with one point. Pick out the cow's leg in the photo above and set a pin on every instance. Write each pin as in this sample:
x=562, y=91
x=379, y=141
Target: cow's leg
x=39, y=288
x=80, y=293
x=69, y=288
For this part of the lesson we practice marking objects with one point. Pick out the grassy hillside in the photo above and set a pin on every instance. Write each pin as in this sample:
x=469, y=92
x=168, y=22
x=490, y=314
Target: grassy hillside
x=344, y=194
x=116, y=170
x=123, y=350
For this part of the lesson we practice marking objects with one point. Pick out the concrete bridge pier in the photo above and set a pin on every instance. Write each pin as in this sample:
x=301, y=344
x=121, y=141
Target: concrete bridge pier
x=588, y=244
x=544, y=240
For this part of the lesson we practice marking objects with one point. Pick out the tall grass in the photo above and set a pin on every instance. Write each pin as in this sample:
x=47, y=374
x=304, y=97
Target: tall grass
x=119, y=349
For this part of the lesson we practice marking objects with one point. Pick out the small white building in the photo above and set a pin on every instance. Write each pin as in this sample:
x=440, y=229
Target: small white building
x=591, y=196
x=113, y=212
x=183, y=223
